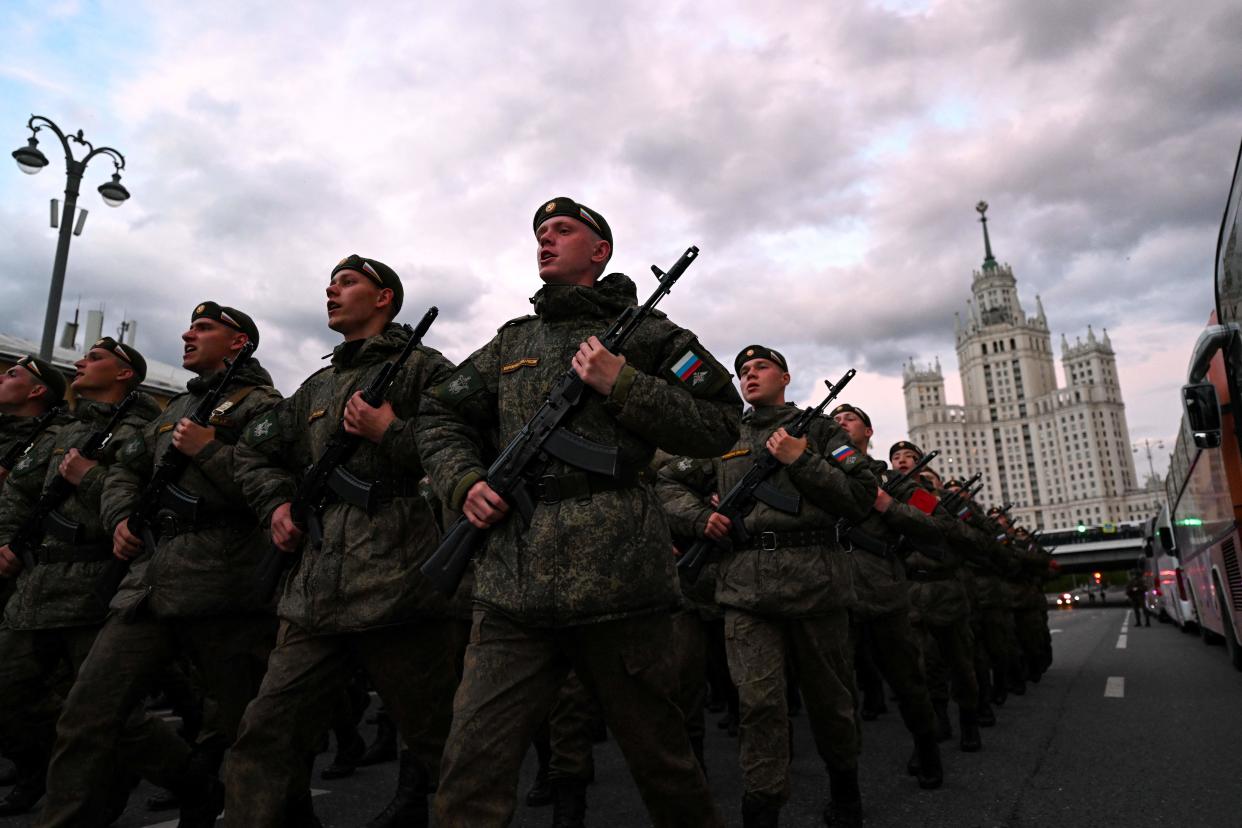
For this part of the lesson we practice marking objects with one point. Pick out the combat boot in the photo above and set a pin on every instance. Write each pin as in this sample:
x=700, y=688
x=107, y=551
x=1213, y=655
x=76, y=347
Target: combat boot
x=384, y=748
x=969, y=722
x=985, y=715
x=202, y=800
x=409, y=804
x=31, y=783
x=925, y=763
x=349, y=749
x=944, y=729
x=760, y=812
x=844, y=809
x=568, y=804
x=540, y=793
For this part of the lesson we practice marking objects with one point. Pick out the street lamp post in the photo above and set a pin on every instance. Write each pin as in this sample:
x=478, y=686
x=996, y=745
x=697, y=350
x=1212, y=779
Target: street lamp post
x=30, y=160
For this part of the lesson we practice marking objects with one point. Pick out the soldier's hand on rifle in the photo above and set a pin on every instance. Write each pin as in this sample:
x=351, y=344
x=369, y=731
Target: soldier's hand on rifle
x=365, y=421
x=10, y=565
x=125, y=544
x=718, y=527
x=285, y=533
x=882, y=500
x=597, y=366
x=190, y=438
x=483, y=507
x=785, y=448
x=74, y=467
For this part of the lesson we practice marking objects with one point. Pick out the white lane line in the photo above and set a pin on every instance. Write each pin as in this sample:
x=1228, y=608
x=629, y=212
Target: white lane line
x=1115, y=687
x=1054, y=632
x=173, y=823
x=1121, y=641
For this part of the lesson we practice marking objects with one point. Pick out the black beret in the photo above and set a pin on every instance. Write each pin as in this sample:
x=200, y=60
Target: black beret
x=229, y=317
x=377, y=272
x=48, y=375
x=846, y=407
x=758, y=352
x=566, y=206
x=907, y=446
x=125, y=353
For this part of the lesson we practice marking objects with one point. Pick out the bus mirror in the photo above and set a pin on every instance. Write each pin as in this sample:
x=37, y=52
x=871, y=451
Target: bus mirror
x=1202, y=413
x=1166, y=539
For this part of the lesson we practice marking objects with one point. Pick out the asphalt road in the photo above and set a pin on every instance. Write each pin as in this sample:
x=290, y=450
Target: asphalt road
x=1148, y=733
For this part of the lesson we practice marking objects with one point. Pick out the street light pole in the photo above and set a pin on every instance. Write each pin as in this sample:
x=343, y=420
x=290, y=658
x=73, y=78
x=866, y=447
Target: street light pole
x=31, y=160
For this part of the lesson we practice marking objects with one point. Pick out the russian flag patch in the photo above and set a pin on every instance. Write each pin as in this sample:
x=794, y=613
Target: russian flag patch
x=843, y=453
x=686, y=367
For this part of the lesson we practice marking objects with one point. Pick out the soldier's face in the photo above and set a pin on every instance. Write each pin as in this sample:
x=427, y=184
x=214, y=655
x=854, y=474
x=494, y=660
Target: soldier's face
x=99, y=370
x=858, y=431
x=206, y=344
x=763, y=382
x=570, y=253
x=16, y=387
x=903, y=460
x=354, y=301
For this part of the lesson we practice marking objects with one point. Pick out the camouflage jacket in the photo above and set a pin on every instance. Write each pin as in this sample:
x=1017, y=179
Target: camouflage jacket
x=607, y=555
x=1032, y=571
x=15, y=431
x=365, y=573
x=60, y=593
x=986, y=568
x=880, y=584
x=938, y=595
x=204, y=568
x=789, y=580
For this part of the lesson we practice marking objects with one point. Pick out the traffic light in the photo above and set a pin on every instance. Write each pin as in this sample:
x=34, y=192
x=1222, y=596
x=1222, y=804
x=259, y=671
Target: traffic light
x=1096, y=576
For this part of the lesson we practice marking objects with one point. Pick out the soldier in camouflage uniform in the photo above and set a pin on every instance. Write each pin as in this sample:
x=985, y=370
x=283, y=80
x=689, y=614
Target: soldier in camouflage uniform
x=29, y=388
x=1030, y=604
x=356, y=598
x=190, y=594
x=940, y=608
x=786, y=591
x=589, y=583
x=54, y=616
x=881, y=611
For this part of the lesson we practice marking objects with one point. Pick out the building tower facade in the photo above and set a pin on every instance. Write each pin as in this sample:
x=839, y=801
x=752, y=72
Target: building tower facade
x=1060, y=455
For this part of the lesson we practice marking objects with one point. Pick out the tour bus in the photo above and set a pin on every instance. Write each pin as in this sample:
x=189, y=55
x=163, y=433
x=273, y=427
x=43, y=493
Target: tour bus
x=1205, y=473
x=1169, y=597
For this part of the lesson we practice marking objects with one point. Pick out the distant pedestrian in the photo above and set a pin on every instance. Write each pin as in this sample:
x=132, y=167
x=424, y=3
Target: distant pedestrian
x=1136, y=591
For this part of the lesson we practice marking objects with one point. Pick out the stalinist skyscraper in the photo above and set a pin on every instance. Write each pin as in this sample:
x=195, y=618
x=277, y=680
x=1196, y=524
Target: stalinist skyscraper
x=1060, y=455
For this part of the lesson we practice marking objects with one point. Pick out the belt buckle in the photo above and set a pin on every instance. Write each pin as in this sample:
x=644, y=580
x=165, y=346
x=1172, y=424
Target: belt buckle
x=166, y=524
x=843, y=538
x=548, y=489
x=767, y=541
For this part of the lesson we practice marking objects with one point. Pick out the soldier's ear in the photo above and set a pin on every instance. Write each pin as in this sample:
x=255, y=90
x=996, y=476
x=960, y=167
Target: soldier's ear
x=785, y=379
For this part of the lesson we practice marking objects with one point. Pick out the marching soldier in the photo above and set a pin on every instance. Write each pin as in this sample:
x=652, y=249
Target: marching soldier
x=190, y=593
x=29, y=388
x=54, y=617
x=940, y=608
x=881, y=611
x=1030, y=604
x=588, y=584
x=785, y=592
x=354, y=595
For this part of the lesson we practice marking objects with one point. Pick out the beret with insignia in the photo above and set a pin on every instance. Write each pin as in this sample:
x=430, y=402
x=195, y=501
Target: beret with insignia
x=378, y=272
x=852, y=409
x=905, y=445
x=229, y=317
x=125, y=353
x=758, y=352
x=566, y=206
x=46, y=374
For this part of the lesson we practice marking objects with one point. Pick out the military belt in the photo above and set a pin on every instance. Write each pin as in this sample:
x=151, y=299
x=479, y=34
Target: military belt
x=771, y=541
x=76, y=554
x=925, y=576
x=578, y=485
x=858, y=539
x=366, y=495
x=168, y=524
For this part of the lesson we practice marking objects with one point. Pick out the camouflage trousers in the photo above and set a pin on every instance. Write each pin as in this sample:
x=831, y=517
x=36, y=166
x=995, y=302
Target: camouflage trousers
x=819, y=649
x=568, y=733
x=690, y=656
x=996, y=641
x=512, y=677
x=896, y=653
x=949, y=661
x=413, y=668
x=1031, y=627
x=127, y=659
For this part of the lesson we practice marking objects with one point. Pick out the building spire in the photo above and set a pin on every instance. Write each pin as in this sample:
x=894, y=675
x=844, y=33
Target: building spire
x=989, y=261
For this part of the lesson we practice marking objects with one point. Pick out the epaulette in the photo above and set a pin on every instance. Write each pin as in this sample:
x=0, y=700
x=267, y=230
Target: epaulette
x=519, y=319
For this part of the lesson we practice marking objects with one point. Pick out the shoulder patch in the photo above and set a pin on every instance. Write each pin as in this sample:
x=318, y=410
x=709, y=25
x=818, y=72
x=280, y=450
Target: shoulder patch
x=697, y=371
x=742, y=452
x=130, y=448
x=22, y=465
x=260, y=429
x=465, y=382
x=845, y=455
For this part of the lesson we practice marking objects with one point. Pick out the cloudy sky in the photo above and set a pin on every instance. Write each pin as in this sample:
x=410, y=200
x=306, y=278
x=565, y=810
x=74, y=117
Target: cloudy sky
x=825, y=156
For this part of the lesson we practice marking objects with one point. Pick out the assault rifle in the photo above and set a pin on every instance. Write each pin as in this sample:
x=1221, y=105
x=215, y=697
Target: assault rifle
x=18, y=449
x=893, y=484
x=953, y=500
x=754, y=488
x=856, y=537
x=43, y=517
x=162, y=492
x=544, y=434
x=328, y=476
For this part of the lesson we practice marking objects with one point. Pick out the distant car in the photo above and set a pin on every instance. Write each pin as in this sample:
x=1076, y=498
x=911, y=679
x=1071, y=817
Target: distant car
x=1067, y=600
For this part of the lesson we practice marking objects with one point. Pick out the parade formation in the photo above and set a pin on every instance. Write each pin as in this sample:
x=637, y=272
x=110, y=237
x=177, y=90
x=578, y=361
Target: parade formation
x=586, y=523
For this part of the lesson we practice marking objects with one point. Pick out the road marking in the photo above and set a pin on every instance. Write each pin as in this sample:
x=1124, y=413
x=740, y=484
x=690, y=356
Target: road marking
x=1115, y=687
x=1054, y=632
x=1121, y=641
x=172, y=823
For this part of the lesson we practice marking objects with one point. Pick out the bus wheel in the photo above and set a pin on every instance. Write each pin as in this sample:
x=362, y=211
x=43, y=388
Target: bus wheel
x=1231, y=635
